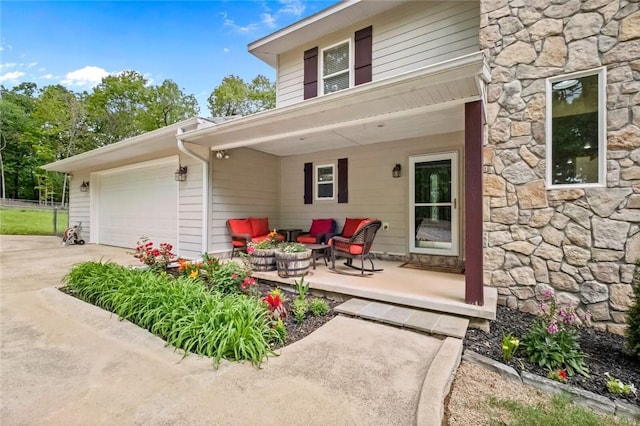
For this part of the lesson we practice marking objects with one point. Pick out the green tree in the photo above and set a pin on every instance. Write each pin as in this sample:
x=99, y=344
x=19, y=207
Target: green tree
x=18, y=135
x=116, y=105
x=235, y=97
x=167, y=105
x=62, y=117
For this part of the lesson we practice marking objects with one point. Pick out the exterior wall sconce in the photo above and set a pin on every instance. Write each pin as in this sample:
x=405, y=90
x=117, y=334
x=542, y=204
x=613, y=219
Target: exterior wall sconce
x=396, y=172
x=222, y=155
x=84, y=187
x=181, y=174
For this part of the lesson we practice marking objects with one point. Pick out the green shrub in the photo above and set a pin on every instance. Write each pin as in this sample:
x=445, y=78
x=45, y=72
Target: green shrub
x=281, y=329
x=300, y=308
x=319, y=307
x=302, y=289
x=228, y=278
x=182, y=311
x=633, y=316
x=552, y=341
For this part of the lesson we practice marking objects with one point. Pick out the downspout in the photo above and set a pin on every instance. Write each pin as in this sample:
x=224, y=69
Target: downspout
x=205, y=189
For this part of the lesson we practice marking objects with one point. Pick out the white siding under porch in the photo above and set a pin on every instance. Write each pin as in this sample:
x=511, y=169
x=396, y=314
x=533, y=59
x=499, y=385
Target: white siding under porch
x=190, y=205
x=246, y=184
x=80, y=205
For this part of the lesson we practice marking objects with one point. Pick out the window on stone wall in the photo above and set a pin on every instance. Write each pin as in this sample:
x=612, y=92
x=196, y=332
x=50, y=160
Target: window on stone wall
x=576, y=129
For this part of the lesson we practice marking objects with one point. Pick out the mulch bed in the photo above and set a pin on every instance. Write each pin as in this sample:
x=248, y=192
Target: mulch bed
x=604, y=352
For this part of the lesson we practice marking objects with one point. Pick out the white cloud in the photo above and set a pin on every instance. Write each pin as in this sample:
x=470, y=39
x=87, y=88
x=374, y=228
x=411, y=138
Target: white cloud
x=239, y=28
x=292, y=7
x=269, y=20
x=48, y=77
x=8, y=65
x=41, y=69
x=226, y=50
x=31, y=64
x=11, y=77
x=88, y=76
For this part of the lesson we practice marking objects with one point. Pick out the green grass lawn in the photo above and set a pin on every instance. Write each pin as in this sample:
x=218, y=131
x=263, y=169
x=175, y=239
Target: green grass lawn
x=22, y=221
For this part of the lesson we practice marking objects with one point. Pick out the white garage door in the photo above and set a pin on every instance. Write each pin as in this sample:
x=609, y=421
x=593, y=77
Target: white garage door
x=138, y=202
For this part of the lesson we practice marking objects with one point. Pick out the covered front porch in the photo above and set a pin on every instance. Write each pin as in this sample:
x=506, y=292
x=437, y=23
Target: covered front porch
x=422, y=289
x=259, y=168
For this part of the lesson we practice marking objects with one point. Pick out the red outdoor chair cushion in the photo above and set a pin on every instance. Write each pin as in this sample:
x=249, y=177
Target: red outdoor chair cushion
x=240, y=226
x=259, y=226
x=350, y=248
x=306, y=239
x=350, y=227
x=320, y=226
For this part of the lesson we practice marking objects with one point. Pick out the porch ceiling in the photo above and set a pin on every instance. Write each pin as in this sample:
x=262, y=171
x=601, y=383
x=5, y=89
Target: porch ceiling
x=424, y=102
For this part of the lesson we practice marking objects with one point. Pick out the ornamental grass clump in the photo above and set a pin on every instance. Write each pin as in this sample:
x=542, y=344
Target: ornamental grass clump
x=182, y=311
x=552, y=341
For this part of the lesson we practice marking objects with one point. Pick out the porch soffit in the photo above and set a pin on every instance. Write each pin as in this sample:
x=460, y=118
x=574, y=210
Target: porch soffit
x=419, y=103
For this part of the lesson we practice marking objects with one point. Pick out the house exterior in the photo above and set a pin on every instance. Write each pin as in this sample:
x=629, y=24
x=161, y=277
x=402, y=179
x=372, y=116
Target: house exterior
x=429, y=116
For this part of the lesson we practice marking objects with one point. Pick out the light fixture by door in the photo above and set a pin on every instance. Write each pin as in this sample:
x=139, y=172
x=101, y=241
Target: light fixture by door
x=397, y=169
x=180, y=175
x=222, y=155
x=84, y=187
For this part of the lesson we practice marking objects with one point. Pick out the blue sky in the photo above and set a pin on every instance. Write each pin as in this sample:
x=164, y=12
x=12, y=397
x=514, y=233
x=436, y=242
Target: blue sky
x=194, y=43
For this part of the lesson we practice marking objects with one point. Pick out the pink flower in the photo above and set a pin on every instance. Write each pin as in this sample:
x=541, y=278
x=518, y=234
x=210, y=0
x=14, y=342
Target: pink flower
x=250, y=250
x=547, y=293
x=234, y=276
x=553, y=328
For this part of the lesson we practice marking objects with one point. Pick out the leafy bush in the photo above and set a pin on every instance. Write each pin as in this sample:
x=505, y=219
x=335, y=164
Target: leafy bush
x=633, y=316
x=552, y=341
x=228, y=278
x=154, y=257
x=181, y=311
x=209, y=265
x=300, y=308
x=509, y=346
x=319, y=307
x=302, y=288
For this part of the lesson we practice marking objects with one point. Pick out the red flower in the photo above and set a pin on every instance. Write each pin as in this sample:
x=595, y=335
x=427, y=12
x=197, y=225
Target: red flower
x=250, y=250
x=562, y=374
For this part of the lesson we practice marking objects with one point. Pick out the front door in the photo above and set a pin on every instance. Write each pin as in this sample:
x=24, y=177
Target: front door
x=433, y=196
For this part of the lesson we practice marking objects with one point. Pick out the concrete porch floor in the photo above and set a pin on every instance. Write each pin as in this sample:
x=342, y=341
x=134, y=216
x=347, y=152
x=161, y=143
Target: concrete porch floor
x=428, y=290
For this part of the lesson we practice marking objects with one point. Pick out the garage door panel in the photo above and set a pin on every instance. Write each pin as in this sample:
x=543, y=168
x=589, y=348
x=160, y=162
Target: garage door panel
x=137, y=203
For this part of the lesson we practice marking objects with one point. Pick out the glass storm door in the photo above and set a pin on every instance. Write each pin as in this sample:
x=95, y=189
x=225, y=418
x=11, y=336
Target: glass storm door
x=433, y=196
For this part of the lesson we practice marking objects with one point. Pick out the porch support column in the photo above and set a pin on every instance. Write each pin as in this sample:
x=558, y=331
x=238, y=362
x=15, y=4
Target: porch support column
x=473, y=132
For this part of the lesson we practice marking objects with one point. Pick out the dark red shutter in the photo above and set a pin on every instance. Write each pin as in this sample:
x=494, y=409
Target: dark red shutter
x=343, y=180
x=308, y=183
x=364, y=42
x=311, y=73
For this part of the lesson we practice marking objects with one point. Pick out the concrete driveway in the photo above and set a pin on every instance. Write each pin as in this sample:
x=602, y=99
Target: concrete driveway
x=66, y=362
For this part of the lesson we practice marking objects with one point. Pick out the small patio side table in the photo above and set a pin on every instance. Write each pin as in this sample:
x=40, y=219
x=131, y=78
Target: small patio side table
x=289, y=234
x=317, y=251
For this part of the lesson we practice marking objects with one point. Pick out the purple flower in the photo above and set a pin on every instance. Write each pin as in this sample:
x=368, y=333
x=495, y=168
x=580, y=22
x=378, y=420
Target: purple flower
x=547, y=293
x=552, y=328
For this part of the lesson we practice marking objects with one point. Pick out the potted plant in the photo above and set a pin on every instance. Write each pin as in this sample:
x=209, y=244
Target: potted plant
x=262, y=254
x=292, y=260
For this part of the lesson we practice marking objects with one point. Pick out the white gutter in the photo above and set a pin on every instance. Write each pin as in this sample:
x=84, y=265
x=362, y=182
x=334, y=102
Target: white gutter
x=205, y=189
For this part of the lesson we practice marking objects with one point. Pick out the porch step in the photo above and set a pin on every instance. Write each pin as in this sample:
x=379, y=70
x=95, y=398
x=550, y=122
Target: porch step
x=429, y=322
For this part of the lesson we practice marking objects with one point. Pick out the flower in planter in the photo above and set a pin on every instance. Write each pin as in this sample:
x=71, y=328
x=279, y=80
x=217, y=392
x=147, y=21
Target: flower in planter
x=270, y=242
x=292, y=248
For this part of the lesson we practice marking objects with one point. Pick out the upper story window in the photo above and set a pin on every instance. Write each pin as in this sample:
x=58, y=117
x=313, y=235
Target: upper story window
x=335, y=67
x=576, y=129
x=325, y=182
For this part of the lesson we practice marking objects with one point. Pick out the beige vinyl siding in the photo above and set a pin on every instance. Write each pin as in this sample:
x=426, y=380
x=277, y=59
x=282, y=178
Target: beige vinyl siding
x=80, y=204
x=409, y=37
x=423, y=34
x=373, y=192
x=246, y=184
x=190, y=206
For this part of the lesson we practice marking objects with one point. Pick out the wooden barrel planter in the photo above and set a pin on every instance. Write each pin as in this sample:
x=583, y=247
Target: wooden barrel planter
x=291, y=265
x=263, y=260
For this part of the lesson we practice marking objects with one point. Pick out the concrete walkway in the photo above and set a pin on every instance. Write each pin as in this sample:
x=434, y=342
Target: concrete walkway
x=67, y=362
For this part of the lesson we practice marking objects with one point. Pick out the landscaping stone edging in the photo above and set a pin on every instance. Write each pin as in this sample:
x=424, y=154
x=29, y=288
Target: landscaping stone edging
x=578, y=396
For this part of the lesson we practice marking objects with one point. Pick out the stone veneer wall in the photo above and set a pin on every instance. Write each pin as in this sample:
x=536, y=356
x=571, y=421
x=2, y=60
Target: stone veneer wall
x=581, y=243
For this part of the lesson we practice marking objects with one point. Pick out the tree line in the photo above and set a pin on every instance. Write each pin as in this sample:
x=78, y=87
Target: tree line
x=42, y=125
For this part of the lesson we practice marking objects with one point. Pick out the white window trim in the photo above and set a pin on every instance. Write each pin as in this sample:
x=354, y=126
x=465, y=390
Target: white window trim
x=321, y=75
x=317, y=183
x=602, y=129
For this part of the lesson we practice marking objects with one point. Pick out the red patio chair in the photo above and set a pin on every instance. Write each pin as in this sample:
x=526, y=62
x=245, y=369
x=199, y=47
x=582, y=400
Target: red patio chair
x=320, y=231
x=357, y=246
